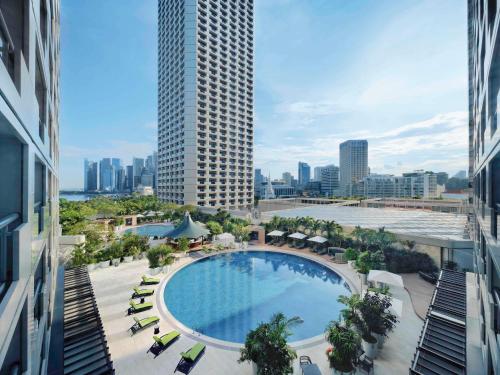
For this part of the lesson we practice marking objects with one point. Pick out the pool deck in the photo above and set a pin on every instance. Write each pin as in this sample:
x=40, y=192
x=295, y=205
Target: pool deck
x=113, y=286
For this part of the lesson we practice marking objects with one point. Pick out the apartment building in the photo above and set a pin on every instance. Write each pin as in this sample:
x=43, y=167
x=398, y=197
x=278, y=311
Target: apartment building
x=484, y=171
x=353, y=164
x=29, y=160
x=205, y=102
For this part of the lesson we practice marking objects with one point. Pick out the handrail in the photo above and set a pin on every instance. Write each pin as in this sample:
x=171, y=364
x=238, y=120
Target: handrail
x=7, y=220
x=3, y=25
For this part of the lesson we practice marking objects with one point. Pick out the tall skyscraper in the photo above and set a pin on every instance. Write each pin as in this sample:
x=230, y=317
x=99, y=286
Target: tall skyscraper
x=130, y=178
x=317, y=173
x=138, y=167
x=353, y=163
x=106, y=175
x=205, y=102
x=29, y=191
x=484, y=173
x=91, y=176
x=304, y=173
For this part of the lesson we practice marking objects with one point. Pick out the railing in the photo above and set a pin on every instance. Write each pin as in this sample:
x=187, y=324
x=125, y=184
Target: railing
x=6, y=47
x=495, y=213
x=6, y=250
x=39, y=218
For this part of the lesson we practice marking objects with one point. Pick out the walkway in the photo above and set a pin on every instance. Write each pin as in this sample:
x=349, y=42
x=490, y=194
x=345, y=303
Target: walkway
x=113, y=286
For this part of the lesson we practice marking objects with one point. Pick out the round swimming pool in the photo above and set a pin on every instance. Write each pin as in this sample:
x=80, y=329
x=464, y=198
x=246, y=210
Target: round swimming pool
x=226, y=295
x=151, y=230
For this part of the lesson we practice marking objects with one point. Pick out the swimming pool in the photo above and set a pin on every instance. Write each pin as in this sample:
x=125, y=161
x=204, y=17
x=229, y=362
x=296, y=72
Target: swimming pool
x=151, y=230
x=226, y=295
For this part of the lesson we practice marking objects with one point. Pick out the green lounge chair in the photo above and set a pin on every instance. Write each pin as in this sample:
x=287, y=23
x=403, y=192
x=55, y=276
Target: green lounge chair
x=138, y=307
x=142, y=292
x=166, y=339
x=194, y=353
x=140, y=324
x=149, y=280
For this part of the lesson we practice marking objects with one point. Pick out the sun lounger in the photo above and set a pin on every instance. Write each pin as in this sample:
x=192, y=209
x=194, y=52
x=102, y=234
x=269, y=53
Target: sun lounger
x=321, y=250
x=142, y=292
x=149, y=280
x=138, y=307
x=166, y=339
x=193, y=354
x=141, y=324
x=301, y=246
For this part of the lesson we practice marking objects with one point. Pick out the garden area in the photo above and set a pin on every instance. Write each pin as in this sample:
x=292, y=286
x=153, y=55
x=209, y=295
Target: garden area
x=104, y=247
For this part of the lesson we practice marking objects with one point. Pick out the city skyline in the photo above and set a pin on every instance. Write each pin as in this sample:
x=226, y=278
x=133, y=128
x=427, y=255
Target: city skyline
x=308, y=114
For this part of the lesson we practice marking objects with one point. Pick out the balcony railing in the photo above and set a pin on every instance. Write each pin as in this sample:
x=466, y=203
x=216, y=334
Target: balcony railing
x=38, y=221
x=7, y=224
x=495, y=213
x=6, y=47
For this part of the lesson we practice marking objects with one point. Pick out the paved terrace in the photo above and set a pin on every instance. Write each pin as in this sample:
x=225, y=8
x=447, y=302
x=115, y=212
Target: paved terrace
x=130, y=355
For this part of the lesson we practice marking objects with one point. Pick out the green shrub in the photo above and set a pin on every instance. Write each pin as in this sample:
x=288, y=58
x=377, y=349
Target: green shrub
x=351, y=254
x=161, y=255
x=405, y=261
x=183, y=244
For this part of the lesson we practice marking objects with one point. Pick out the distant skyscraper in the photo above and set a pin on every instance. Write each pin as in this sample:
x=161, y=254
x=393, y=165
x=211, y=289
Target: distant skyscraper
x=85, y=171
x=317, y=173
x=287, y=178
x=329, y=179
x=106, y=175
x=304, y=173
x=91, y=176
x=138, y=167
x=205, y=102
x=130, y=178
x=269, y=191
x=258, y=181
x=353, y=163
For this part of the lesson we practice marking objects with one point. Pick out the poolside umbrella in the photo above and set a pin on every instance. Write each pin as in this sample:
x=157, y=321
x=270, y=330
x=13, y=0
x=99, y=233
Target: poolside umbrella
x=318, y=239
x=276, y=233
x=139, y=215
x=386, y=278
x=297, y=236
x=396, y=304
x=188, y=229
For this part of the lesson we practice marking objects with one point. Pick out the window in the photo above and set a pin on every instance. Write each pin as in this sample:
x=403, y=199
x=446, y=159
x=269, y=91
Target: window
x=38, y=292
x=15, y=361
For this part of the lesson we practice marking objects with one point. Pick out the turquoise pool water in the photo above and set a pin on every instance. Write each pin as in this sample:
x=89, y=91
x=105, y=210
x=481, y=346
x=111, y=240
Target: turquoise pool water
x=226, y=295
x=151, y=230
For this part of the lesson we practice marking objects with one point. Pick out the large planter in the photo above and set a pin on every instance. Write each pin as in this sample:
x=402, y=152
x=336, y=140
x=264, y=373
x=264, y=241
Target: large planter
x=380, y=339
x=165, y=269
x=363, y=277
x=370, y=349
x=351, y=263
x=91, y=267
x=115, y=262
x=104, y=264
x=254, y=368
x=155, y=271
x=128, y=259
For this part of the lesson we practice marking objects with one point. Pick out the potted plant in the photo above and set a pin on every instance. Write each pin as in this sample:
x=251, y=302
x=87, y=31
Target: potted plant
x=135, y=252
x=104, y=259
x=345, y=345
x=386, y=320
x=351, y=256
x=267, y=349
x=154, y=256
x=115, y=251
x=92, y=263
x=363, y=266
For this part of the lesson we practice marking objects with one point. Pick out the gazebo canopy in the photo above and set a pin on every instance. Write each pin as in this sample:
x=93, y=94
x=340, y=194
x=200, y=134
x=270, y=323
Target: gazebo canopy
x=188, y=229
x=297, y=236
x=276, y=233
x=317, y=239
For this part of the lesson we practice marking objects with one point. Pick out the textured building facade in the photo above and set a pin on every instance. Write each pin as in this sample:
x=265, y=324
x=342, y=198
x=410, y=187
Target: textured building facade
x=484, y=171
x=29, y=196
x=205, y=102
x=353, y=155
x=329, y=179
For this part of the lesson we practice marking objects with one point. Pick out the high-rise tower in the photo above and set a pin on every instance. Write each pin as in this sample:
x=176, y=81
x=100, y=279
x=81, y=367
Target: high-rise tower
x=205, y=102
x=353, y=164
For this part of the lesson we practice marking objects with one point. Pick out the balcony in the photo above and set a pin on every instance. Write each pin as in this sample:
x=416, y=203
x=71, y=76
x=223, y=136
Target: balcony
x=7, y=225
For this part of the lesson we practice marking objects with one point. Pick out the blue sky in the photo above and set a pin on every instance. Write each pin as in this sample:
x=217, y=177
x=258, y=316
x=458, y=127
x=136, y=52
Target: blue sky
x=392, y=72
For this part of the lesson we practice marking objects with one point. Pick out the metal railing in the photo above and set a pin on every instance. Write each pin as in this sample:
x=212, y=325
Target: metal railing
x=495, y=213
x=6, y=250
x=6, y=46
x=38, y=211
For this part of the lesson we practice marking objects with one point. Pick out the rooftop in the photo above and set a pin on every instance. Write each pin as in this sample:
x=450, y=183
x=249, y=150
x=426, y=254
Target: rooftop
x=418, y=223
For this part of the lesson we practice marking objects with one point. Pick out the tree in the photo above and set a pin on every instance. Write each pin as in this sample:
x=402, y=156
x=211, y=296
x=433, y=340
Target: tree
x=215, y=228
x=183, y=244
x=161, y=255
x=267, y=346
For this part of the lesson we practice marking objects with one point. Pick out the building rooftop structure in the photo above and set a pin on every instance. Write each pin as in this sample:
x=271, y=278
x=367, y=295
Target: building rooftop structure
x=418, y=223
